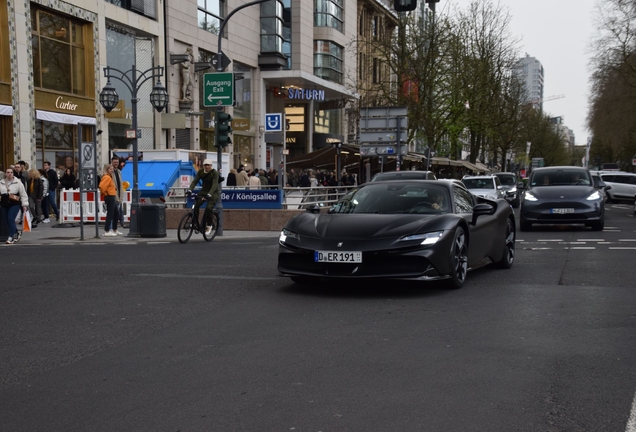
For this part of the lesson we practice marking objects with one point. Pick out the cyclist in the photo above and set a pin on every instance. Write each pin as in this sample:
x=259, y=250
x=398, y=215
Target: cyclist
x=210, y=189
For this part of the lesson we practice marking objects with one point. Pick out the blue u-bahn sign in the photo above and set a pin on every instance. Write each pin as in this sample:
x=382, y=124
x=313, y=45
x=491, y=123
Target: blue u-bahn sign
x=248, y=199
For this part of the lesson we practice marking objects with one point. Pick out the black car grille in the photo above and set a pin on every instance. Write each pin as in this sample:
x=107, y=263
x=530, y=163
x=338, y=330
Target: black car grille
x=373, y=264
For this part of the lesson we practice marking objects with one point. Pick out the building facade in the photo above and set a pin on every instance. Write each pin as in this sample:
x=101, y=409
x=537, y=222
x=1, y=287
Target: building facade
x=292, y=57
x=531, y=73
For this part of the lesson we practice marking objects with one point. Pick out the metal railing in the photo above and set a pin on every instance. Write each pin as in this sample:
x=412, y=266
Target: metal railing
x=294, y=198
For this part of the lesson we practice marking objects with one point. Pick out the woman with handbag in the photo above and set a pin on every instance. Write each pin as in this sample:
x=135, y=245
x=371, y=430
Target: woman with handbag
x=108, y=191
x=12, y=197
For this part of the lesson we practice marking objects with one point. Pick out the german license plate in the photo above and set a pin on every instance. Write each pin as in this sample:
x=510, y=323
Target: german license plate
x=337, y=257
x=561, y=210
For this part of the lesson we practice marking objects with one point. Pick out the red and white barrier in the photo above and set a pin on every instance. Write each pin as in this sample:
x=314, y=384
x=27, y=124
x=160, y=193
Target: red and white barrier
x=70, y=206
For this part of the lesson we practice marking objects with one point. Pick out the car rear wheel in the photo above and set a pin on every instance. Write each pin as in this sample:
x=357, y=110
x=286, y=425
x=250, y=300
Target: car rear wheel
x=508, y=257
x=458, y=260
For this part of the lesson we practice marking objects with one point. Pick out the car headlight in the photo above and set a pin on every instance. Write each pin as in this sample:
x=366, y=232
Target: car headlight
x=530, y=197
x=427, y=239
x=287, y=233
x=512, y=190
x=594, y=196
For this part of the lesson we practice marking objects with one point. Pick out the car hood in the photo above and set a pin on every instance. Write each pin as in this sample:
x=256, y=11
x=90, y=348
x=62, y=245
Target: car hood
x=562, y=192
x=483, y=192
x=364, y=226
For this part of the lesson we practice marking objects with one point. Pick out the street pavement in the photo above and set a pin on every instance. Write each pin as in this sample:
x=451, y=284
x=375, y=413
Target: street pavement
x=54, y=233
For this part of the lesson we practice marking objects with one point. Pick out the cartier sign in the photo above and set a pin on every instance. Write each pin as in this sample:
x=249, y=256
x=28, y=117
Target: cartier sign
x=60, y=103
x=76, y=105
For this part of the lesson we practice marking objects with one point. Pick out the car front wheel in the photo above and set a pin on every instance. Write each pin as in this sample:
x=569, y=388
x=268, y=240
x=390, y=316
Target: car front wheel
x=458, y=260
x=508, y=255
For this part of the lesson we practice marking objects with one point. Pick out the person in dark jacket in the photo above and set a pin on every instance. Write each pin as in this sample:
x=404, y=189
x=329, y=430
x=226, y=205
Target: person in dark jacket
x=35, y=192
x=231, y=178
x=50, y=202
x=67, y=181
x=210, y=188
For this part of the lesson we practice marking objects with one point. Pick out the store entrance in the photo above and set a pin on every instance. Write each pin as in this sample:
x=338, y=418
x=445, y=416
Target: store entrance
x=6, y=142
x=57, y=143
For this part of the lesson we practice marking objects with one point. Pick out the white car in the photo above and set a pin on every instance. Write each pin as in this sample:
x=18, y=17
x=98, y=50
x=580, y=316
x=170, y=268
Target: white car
x=623, y=184
x=486, y=186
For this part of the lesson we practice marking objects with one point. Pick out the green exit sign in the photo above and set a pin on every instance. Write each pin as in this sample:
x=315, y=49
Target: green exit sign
x=218, y=89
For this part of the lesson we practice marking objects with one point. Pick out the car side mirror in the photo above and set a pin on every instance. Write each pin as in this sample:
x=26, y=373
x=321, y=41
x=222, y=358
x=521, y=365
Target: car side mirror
x=313, y=208
x=607, y=187
x=482, y=210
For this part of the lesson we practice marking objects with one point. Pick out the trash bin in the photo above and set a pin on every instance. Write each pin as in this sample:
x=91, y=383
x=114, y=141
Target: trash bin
x=153, y=220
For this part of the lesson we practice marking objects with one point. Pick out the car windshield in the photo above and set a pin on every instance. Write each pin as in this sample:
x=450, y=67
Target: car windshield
x=507, y=180
x=405, y=175
x=479, y=183
x=395, y=198
x=561, y=177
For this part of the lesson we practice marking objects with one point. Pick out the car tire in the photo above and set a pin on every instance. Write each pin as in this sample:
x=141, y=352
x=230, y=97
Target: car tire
x=458, y=260
x=508, y=254
x=515, y=203
x=598, y=225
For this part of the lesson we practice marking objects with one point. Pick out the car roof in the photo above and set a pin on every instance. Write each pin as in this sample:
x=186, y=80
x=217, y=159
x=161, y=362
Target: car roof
x=487, y=176
x=505, y=173
x=552, y=168
x=445, y=183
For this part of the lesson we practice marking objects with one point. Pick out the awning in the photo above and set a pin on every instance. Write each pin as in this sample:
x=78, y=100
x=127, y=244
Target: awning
x=445, y=161
x=6, y=110
x=482, y=167
x=471, y=166
x=64, y=118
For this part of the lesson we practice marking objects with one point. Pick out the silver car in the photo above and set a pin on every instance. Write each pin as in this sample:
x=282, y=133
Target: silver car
x=486, y=186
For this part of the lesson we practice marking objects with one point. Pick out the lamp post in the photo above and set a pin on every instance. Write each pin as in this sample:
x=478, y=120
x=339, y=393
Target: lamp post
x=134, y=79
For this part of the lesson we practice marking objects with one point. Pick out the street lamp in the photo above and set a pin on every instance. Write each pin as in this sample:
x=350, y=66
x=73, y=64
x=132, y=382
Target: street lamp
x=108, y=98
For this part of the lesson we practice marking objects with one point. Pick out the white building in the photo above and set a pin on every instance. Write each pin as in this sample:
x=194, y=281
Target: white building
x=531, y=73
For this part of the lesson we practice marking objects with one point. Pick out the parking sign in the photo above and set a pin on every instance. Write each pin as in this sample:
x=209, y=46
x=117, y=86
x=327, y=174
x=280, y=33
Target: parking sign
x=274, y=122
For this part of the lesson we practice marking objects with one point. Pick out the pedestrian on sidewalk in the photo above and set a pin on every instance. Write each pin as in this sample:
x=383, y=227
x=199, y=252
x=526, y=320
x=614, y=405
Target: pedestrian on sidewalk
x=109, y=192
x=13, y=198
x=35, y=192
x=51, y=199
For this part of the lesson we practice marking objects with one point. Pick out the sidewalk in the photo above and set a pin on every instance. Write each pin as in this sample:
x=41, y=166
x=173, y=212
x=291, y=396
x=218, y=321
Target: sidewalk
x=54, y=233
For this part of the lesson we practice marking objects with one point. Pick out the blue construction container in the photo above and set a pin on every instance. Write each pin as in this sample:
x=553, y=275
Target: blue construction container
x=157, y=177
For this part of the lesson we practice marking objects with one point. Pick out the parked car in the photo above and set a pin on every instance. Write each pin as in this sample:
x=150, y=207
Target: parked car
x=623, y=184
x=409, y=229
x=486, y=186
x=561, y=195
x=510, y=186
x=404, y=175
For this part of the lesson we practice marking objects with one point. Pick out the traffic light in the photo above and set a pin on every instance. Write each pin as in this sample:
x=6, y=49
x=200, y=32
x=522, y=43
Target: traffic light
x=404, y=5
x=223, y=128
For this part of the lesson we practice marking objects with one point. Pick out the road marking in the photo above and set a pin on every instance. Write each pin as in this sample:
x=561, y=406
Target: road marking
x=631, y=422
x=520, y=241
x=604, y=242
x=584, y=240
x=576, y=242
x=581, y=247
x=622, y=248
x=175, y=275
x=535, y=248
x=611, y=230
x=626, y=240
x=550, y=240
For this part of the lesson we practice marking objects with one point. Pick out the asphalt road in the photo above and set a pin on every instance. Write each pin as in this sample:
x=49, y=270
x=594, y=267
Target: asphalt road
x=207, y=337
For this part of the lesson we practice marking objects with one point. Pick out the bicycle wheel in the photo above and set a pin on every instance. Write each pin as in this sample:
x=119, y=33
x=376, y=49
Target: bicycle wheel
x=185, y=228
x=215, y=226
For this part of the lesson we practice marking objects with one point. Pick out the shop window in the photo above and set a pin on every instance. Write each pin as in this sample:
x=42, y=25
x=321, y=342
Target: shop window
x=328, y=13
x=328, y=121
x=59, y=57
x=210, y=15
x=295, y=118
x=328, y=61
x=55, y=142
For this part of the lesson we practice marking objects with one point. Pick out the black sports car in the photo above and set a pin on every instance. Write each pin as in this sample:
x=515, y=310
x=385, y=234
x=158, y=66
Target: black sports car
x=411, y=229
x=561, y=195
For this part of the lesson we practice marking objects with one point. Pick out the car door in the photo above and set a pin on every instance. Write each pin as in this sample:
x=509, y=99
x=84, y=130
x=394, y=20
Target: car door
x=480, y=233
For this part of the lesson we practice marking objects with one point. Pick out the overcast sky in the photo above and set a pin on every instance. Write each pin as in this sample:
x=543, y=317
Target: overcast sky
x=558, y=34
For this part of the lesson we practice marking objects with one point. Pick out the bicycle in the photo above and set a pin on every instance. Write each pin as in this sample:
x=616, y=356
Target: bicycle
x=190, y=222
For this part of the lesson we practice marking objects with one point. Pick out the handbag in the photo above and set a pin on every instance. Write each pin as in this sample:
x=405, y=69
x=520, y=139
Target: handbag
x=13, y=197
